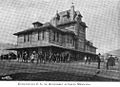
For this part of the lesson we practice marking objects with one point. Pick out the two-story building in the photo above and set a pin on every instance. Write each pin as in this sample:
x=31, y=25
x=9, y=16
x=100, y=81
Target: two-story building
x=65, y=33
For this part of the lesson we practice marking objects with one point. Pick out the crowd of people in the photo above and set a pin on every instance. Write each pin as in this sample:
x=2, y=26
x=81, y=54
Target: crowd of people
x=42, y=57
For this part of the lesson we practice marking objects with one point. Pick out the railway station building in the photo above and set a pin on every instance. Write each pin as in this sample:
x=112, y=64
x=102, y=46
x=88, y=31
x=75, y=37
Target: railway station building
x=64, y=33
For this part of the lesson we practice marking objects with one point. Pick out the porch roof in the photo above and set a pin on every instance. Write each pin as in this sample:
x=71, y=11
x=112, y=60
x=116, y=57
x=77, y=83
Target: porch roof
x=50, y=45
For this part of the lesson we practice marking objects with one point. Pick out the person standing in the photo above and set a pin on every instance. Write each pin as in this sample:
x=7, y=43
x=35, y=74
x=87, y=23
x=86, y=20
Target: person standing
x=39, y=59
x=110, y=62
x=98, y=60
x=85, y=59
x=44, y=57
x=26, y=57
x=9, y=57
x=107, y=63
x=23, y=59
x=89, y=60
x=33, y=57
x=18, y=56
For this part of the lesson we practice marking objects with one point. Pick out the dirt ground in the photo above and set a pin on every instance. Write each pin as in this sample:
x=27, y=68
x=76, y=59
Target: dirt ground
x=43, y=72
x=54, y=76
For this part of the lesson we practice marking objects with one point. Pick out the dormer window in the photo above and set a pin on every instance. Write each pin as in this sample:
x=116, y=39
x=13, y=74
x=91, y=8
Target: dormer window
x=67, y=14
x=37, y=24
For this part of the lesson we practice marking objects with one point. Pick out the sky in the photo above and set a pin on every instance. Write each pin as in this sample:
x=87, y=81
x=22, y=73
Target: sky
x=101, y=16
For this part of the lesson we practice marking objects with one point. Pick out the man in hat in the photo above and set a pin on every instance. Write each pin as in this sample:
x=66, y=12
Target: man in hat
x=98, y=60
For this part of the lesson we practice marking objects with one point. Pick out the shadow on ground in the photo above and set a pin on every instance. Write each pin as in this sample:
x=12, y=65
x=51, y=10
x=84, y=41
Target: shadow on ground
x=53, y=76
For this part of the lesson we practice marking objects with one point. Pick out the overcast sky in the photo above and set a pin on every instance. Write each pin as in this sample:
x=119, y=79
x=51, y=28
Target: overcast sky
x=101, y=16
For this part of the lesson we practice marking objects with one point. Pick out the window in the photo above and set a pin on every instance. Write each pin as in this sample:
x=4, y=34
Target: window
x=87, y=47
x=24, y=38
x=28, y=39
x=71, y=40
x=57, y=37
x=63, y=38
x=39, y=35
x=67, y=38
x=53, y=35
x=82, y=45
x=43, y=35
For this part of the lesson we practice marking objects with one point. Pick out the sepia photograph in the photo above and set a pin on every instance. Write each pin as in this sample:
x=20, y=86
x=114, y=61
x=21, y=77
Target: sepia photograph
x=60, y=40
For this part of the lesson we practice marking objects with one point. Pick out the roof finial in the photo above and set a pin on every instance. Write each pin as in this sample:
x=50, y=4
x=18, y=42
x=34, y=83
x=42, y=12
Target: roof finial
x=72, y=3
x=72, y=6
